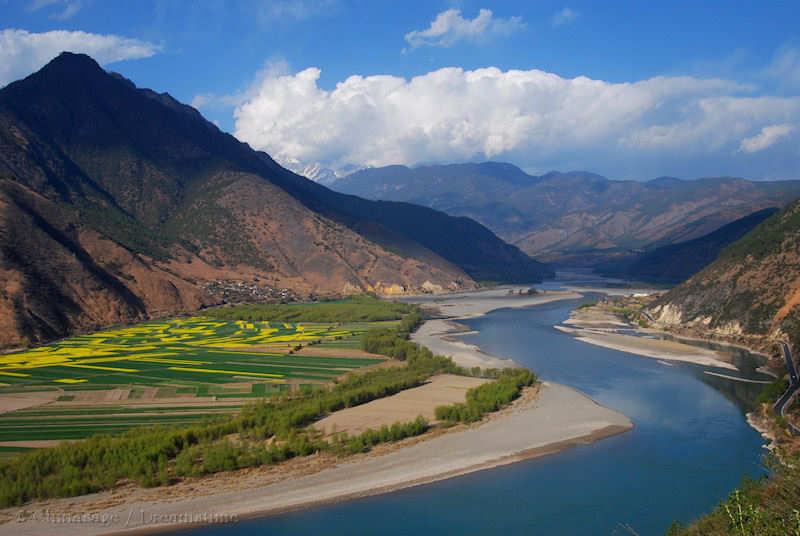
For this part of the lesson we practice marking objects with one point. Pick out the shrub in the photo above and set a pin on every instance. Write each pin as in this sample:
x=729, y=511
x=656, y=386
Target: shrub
x=488, y=397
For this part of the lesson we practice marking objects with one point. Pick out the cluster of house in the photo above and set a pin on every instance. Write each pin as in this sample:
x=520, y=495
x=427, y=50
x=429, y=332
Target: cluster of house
x=232, y=291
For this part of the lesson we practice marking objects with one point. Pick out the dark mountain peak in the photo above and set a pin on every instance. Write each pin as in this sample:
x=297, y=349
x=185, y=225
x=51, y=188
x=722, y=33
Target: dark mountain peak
x=73, y=61
x=65, y=77
x=69, y=65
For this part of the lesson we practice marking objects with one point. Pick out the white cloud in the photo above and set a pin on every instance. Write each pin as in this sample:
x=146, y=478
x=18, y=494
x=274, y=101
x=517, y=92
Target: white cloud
x=36, y=5
x=449, y=27
x=536, y=119
x=202, y=100
x=785, y=67
x=23, y=52
x=69, y=11
x=768, y=136
x=67, y=8
x=272, y=68
x=564, y=16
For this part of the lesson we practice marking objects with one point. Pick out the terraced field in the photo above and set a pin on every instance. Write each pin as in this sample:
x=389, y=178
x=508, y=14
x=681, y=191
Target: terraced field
x=173, y=371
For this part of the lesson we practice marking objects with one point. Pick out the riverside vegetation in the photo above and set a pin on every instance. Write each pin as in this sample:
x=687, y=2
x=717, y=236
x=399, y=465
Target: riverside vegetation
x=766, y=507
x=769, y=506
x=266, y=432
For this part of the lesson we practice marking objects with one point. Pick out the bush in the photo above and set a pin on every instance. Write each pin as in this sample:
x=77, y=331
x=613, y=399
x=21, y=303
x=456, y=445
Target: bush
x=773, y=391
x=369, y=438
x=488, y=397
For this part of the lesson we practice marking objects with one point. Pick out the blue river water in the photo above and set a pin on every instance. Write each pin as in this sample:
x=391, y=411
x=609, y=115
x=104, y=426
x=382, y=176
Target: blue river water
x=690, y=447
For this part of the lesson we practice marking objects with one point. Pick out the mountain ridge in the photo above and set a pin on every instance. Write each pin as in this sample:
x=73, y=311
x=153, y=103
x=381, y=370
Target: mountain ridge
x=574, y=217
x=753, y=288
x=131, y=204
x=676, y=263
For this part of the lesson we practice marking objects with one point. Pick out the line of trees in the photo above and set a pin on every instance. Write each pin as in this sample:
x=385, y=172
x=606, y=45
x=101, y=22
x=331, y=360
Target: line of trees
x=345, y=444
x=488, y=397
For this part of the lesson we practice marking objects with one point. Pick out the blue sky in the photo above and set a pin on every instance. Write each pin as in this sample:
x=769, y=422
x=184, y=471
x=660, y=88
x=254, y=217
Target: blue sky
x=626, y=89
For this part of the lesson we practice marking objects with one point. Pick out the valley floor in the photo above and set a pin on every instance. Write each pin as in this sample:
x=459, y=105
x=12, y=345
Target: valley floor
x=546, y=419
x=553, y=419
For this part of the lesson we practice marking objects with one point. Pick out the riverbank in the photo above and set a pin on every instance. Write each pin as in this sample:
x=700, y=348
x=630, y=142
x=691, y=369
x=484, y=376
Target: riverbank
x=440, y=335
x=596, y=325
x=556, y=418
x=539, y=423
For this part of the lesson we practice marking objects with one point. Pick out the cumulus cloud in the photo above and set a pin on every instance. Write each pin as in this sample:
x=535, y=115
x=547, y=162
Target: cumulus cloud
x=23, y=52
x=768, y=136
x=564, y=16
x=449, y=27
x=272, y=68
x=533, y=118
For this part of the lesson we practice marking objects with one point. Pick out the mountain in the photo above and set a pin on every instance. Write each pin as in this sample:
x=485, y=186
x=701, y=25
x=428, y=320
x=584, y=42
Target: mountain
x=315, y=172
x=119, y=203
x=677, y=262
x=575, y=217
x=752, y=288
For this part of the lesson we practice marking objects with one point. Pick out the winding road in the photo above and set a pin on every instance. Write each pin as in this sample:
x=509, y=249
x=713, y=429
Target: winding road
x=794, y=385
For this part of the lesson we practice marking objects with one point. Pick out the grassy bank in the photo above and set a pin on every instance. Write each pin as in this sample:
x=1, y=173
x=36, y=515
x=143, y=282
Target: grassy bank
x=269, y=431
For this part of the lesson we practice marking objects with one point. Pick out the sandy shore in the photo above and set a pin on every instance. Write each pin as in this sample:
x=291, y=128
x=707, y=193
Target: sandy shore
x=471, y=304
x=595, y=326
x=559, y=417
x=655, y=348
x=440, y=335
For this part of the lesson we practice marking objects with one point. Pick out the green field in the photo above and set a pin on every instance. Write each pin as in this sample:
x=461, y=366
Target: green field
x=188, y=353
x=224, y=361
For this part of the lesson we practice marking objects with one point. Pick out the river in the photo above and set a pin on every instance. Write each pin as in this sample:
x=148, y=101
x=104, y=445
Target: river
x=690, y=447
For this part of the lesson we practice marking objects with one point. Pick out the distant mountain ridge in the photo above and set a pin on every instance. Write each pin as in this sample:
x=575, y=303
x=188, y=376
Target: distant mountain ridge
x=752, y=288
x=675, y=263
x=575, y=217
x=119, y=203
